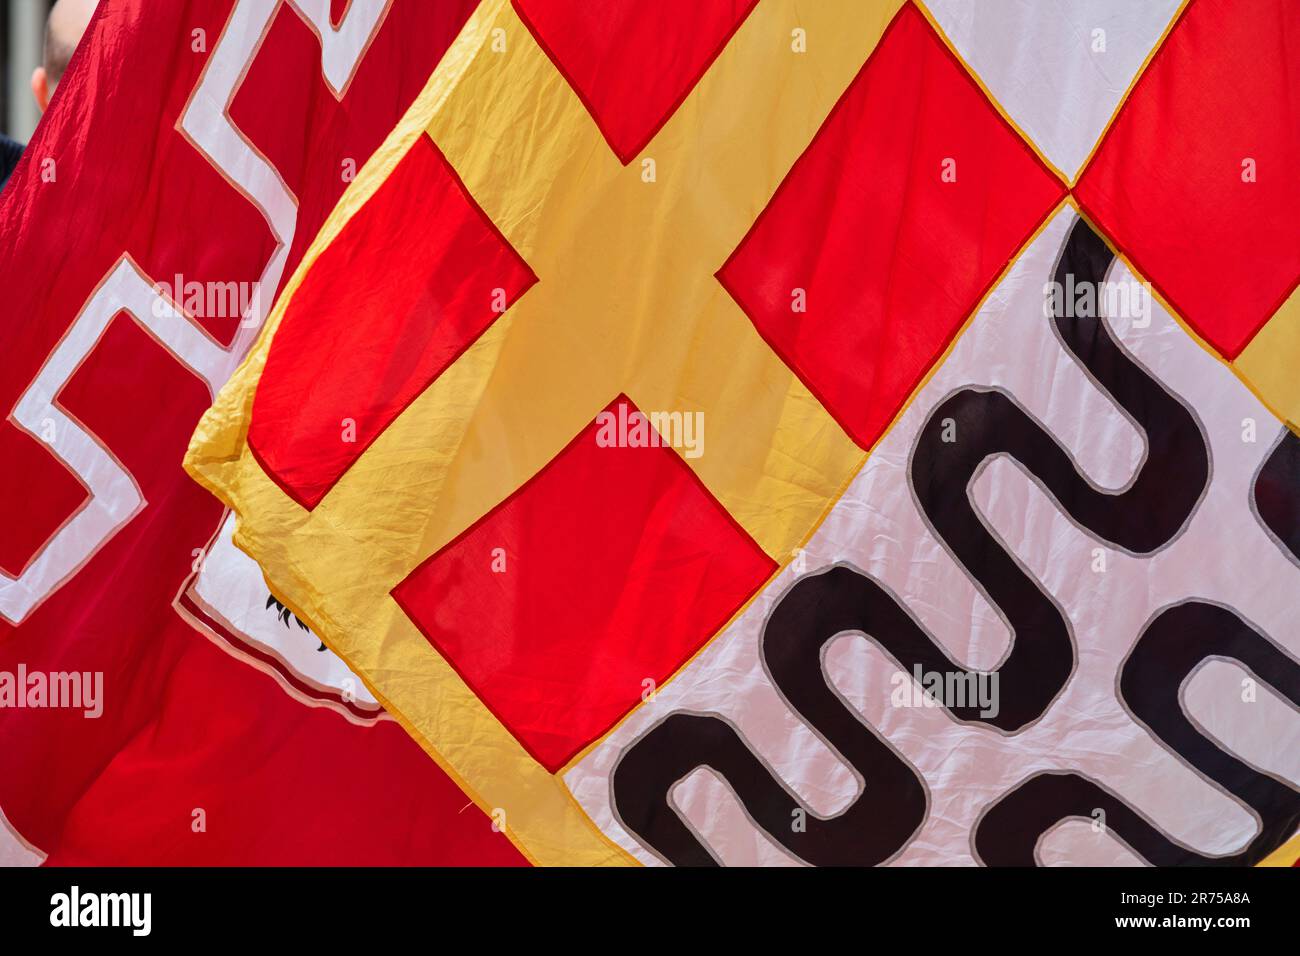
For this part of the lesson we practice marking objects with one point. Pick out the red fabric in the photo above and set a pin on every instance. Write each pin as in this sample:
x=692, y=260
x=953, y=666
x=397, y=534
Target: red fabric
x=633, y=65
x=278, y=783
x=185, y=725
x=892, y=258
x=61, y=495
x=619, y=565
x=1167, y=183
x=374, y=324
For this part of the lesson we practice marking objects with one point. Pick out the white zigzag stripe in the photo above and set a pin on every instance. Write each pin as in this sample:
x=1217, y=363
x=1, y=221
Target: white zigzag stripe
x=115, y=496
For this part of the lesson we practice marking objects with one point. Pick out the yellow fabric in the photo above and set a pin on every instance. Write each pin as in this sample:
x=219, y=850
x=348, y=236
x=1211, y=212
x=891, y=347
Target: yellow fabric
x=1285, y=855
x=626, y=302
x=1269, y=363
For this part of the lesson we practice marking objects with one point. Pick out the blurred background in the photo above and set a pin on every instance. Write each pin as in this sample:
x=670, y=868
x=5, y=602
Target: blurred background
x=22, y=36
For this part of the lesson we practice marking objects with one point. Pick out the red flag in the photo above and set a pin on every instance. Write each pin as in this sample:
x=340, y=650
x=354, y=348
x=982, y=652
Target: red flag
x=192, y=151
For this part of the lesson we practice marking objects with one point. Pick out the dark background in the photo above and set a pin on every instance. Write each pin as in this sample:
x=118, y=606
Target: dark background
x=22, y=31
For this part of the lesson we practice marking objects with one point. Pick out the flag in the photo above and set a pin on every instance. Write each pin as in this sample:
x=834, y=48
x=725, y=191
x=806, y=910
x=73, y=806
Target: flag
x=772, y=433
x=191, y=153
x=777, y=433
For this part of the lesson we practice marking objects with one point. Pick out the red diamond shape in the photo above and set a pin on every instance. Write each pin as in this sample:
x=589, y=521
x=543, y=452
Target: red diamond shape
x=411, y=281
x=618, y=566
x=890, y=255
x=632, y=63
x=1170, y=182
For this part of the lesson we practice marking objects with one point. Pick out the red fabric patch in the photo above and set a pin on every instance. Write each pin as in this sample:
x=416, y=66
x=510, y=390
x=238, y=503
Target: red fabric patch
x=632, y=63
x=408, y=285
x=619, y=565
x=280, y=783
x=892, y=259
x=1167, y=183
x=62, y=496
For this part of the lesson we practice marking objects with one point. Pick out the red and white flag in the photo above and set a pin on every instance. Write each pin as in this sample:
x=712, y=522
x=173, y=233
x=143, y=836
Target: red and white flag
x=161, y=708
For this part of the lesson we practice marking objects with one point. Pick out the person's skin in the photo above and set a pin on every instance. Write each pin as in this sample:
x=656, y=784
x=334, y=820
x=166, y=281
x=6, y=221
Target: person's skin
x=63, y=31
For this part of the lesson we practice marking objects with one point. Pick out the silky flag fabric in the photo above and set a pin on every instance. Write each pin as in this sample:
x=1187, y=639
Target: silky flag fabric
x=768, y=432
x=193, y=150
